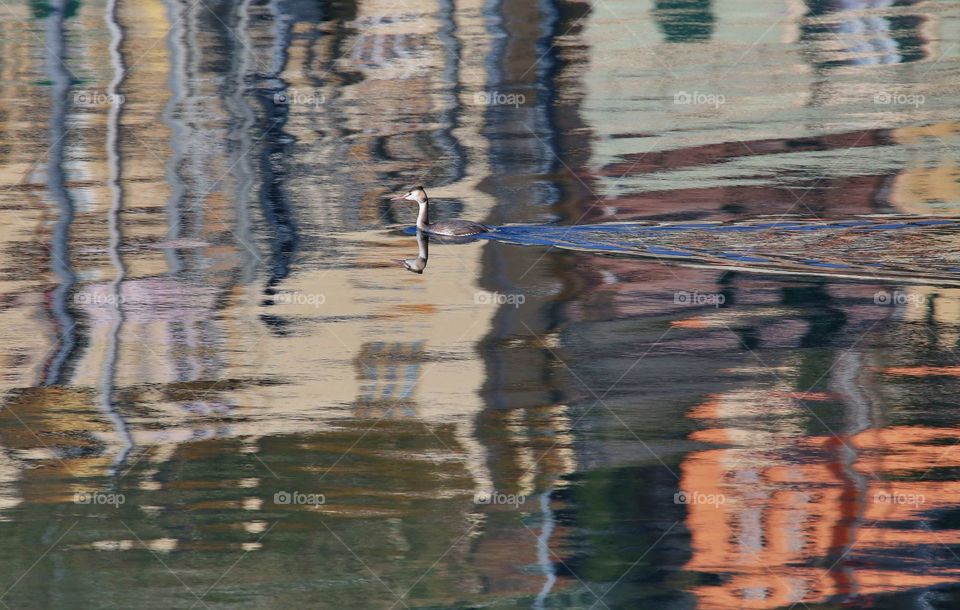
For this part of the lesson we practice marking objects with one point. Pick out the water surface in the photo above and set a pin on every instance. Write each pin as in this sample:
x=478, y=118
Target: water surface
x=708, y=361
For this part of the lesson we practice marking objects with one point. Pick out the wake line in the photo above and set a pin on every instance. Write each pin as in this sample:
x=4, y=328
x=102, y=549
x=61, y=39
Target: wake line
x=913, y=249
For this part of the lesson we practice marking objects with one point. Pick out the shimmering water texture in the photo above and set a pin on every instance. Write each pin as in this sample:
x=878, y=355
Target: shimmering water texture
x=708, y=359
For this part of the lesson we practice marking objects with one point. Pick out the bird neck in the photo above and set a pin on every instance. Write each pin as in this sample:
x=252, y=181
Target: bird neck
x=423, y=218
x=422, y=242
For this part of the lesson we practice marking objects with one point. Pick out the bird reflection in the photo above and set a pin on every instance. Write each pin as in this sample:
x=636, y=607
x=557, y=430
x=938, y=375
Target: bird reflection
x=417, y=265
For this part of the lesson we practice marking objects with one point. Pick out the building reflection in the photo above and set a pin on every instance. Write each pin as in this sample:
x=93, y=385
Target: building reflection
x=861, y=33
x=215, y=319
x=829, y=528
x=182, y=248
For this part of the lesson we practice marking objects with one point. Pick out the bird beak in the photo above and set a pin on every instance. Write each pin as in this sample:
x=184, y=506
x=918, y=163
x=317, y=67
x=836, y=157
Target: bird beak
x=398, y=198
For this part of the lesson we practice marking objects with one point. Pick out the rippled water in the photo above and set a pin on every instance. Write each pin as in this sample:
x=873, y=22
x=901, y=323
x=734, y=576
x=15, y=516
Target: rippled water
x=707, y=359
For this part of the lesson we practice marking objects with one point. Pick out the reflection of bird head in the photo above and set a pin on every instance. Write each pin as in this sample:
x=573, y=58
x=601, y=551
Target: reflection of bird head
x=417, y=265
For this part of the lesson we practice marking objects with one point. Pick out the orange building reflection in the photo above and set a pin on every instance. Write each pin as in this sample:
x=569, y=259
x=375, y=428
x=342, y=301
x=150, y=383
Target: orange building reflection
x=812, y=519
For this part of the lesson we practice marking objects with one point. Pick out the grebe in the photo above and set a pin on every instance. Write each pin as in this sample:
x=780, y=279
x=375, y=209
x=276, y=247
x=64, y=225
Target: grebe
x=417, y=265
x=444, y=227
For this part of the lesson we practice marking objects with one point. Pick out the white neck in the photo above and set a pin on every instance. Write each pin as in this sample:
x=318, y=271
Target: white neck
x=422, y=245
x=423, y=218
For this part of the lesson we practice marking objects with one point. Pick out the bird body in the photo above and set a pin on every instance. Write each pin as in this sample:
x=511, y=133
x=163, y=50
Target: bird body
x=453, y=227
x=457, y=228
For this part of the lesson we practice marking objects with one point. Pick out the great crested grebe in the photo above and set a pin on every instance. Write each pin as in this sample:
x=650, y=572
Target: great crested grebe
x=444, y=227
